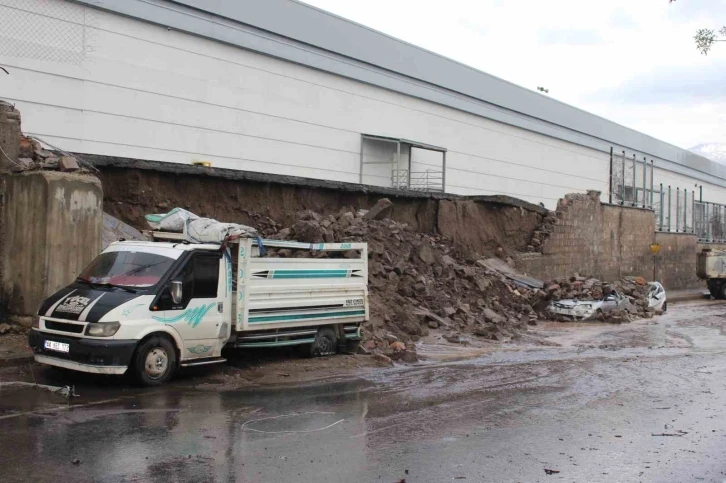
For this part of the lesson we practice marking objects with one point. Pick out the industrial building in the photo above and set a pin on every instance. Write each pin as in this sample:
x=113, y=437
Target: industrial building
x=280, y=87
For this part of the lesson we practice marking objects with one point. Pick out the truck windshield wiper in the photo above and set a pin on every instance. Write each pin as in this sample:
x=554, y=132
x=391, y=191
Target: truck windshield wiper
x=105, y=284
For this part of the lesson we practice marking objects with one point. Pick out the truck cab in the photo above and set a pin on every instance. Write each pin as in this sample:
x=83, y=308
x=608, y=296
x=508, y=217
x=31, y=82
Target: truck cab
x=153, y=306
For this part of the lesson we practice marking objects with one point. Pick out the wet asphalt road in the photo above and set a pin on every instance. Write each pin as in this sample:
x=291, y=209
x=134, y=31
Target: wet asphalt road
x=638, y=402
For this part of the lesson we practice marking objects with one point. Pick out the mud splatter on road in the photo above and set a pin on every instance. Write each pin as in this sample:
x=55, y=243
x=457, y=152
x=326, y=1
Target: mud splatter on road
x=591, y=407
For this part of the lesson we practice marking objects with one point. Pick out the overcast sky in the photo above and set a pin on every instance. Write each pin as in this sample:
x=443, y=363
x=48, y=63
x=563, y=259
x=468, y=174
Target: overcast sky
x=631, y=61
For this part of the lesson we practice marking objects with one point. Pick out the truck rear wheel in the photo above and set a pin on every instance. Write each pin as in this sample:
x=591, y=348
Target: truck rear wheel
x=154, y=361
x=326, y=343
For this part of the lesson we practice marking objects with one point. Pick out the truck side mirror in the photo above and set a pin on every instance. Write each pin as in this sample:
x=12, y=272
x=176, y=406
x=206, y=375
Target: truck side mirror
x=176, y=292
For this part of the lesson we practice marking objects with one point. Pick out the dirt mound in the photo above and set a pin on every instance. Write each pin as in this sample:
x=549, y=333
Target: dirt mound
x=417, y=282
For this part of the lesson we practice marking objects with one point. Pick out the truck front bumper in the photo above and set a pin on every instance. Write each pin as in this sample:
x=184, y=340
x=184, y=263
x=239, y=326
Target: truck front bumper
x=86, y=355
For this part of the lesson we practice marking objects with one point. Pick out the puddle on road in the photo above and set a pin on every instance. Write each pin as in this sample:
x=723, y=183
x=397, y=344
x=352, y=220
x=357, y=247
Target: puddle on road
x=15, y=398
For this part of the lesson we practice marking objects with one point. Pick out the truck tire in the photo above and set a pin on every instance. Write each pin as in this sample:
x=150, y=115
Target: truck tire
x=326, y=343
x=722, y=291
x=154, y=361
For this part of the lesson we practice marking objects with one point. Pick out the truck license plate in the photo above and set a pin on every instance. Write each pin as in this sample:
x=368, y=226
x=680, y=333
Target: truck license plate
x=57, y=346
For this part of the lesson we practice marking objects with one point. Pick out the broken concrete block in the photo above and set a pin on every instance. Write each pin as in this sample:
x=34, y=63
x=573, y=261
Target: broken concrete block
x=382, y=209
x=383, y=358
x=67, y=163
x=23, y=164
x=4, y=328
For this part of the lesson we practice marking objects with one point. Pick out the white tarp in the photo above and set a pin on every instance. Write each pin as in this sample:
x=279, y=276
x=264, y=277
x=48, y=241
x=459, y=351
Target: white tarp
x=196, y=229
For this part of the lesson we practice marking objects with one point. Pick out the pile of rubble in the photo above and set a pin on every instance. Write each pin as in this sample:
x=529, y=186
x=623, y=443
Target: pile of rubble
x=635, y=289
x=418, y=283
x=33, y=156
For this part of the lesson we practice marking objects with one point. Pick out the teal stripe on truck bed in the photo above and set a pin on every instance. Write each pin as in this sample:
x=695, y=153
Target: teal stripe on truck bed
x=293, y=317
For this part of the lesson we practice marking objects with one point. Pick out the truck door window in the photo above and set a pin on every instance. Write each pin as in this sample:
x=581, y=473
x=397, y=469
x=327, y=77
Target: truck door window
x=200, y=280
x=206, y=277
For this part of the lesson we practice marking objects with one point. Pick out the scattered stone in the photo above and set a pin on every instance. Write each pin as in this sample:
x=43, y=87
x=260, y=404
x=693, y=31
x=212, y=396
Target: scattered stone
x=4, y=328
x=23, y=164
x=383, y=358
x=397, y=346
x=382, y=209
x=68, y=164
x=426, y=254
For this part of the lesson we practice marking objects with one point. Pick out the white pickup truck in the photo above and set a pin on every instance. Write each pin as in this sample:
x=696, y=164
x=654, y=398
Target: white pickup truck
x=153, y=306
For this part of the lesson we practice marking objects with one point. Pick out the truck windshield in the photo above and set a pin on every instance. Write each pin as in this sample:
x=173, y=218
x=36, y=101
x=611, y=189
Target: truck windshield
x=127, y=268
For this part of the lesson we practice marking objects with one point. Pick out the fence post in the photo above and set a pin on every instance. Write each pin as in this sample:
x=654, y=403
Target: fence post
x=678, y=208
x=645, y=179
x=693, y=211
x=652, y=177
x=669, y=208
x=634, y=201
x=708, y=224
x=622, y=182
x=660, y=201
x=610, y=198
x=685, y=210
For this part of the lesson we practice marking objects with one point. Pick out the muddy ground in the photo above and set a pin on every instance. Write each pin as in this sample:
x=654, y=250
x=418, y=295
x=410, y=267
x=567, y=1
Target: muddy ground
x=578, y=402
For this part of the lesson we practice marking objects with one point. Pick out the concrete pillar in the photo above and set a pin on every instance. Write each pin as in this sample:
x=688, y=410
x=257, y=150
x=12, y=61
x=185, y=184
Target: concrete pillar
x=9, y=135
x=51, y=230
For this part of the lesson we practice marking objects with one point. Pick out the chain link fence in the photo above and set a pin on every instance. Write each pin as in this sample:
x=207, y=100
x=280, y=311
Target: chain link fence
x=47, y=30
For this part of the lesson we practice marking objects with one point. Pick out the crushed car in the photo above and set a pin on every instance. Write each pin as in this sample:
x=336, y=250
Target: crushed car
x=589, y=309
x=657, y=299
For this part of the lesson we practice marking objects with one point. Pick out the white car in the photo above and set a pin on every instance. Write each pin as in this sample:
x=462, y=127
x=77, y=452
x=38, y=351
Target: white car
x=588, y=309
x=657, y=297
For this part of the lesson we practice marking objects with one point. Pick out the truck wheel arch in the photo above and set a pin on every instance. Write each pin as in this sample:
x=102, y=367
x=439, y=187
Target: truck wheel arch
x=164, y=332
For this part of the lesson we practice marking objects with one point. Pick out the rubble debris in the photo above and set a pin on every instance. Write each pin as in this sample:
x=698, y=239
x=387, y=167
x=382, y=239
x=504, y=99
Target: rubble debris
x=30, y=155
x=419, y=284
x=382, y=209
x=68, y=164
x=551, y=472
x=585, y=288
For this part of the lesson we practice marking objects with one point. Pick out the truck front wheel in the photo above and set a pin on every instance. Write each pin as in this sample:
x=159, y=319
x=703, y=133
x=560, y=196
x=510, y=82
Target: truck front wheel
x=154, y=361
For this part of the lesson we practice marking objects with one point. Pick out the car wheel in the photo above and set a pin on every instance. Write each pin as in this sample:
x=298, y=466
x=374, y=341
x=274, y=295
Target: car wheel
x=326, y=343
x=155, y=361
x=665, y=306
x=722, y=291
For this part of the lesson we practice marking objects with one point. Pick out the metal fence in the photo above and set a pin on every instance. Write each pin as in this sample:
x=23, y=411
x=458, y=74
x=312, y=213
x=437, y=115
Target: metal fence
x=47, y=30
x=631, y=180
x=710, y=221
x=676, y=210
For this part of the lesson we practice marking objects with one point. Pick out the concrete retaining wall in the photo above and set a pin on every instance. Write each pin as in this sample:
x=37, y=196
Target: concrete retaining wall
x=51, y=231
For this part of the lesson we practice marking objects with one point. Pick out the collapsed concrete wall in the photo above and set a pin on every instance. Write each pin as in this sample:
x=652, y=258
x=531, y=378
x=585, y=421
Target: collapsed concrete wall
x=608, y=242
x=581, y=236
x=51, y=229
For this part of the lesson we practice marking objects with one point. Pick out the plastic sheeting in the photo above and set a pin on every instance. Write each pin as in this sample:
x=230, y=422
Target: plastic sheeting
x=196, y=229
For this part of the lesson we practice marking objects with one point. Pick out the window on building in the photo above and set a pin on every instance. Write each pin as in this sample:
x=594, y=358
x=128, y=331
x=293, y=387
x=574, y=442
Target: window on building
x=402, y=164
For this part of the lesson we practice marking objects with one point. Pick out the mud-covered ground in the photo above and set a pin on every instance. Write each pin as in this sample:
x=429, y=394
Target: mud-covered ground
x=587, y=402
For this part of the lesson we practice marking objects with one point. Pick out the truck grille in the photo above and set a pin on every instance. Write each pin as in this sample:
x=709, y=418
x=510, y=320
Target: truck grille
x=63, y=327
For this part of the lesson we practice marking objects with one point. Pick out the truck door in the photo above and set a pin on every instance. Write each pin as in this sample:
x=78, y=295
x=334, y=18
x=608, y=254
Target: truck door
x=201, y=314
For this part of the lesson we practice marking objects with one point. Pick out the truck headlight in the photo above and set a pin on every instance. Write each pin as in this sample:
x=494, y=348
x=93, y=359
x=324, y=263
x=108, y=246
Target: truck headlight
x=102, y=329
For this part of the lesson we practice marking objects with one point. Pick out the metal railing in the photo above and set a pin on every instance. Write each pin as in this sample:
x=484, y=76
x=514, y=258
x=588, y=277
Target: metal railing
x=710, y=222
x=428, y=180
